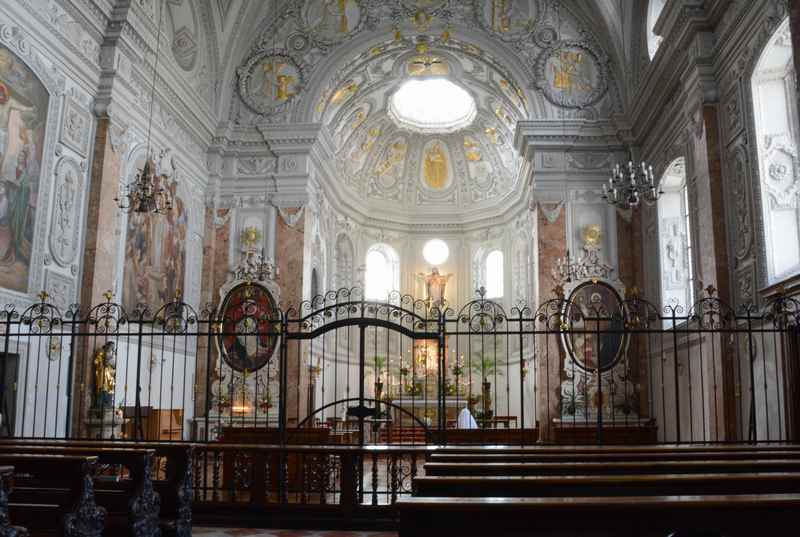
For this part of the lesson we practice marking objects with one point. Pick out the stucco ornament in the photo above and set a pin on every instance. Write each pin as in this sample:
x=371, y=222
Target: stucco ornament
x=332, y=21
x=269, y=81
x=64, y=228
x=571, y=74
x=509, y=19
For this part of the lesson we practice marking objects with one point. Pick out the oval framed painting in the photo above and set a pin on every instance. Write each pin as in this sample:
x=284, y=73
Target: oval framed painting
x=249, y=328
x=593, y=335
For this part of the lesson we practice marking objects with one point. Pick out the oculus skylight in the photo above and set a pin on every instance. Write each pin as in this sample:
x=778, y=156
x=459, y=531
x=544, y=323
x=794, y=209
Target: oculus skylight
x=432, y=105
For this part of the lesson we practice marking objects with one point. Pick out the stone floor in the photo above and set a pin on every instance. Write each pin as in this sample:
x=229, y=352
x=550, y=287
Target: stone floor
x=222, y=532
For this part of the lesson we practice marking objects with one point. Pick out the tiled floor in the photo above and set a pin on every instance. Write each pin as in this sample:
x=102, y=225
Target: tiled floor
x=222, y=532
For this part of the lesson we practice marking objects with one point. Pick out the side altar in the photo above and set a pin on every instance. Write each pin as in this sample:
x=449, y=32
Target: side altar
x=600, y=394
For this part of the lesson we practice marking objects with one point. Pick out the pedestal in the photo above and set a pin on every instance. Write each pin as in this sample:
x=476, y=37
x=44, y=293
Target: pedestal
x=104, y=424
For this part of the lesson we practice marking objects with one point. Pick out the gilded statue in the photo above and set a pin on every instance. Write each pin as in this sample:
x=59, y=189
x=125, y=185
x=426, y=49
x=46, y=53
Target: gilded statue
x=105, y=375
x=435, y=167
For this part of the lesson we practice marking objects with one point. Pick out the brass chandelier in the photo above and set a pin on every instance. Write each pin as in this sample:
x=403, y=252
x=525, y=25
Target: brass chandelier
x=630, y=185
x=145, y=194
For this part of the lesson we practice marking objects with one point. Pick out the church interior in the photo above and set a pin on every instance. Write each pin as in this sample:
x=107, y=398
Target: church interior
x=399, y=268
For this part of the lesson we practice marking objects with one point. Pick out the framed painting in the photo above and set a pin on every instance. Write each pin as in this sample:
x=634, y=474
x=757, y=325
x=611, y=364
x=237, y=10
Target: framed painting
x=593, y=334
x=249, y=327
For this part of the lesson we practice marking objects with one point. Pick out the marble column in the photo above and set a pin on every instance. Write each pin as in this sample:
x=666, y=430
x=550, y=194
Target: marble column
x=99, y=255
x=552, y=245
x=290, y=242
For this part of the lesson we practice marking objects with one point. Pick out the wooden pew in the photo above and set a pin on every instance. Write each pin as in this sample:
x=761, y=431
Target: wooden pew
x=6, y=486
x=611, y=468
x=485, y=436
x=66, y=481
x=137, y=505
x=646, y=448
x=519, y=458
x=608, y=485
x=650, y=516
x=175, y=490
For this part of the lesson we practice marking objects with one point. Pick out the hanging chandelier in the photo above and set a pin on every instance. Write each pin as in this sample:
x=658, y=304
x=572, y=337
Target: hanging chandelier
x=630, y=185
x=145, y=194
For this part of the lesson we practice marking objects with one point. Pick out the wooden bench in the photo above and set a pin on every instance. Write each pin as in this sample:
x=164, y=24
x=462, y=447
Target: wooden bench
x=133, y=508
x=611, y=468
x=175, y=490
x=608, y=485
x=6, y=486
x=519, y=458
x=646, y=448
x=650, y=516
x=55, y=494
x=485, y=436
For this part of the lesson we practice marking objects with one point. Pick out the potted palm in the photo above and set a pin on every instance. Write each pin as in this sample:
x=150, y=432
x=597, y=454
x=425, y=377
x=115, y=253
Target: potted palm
x=486, y=367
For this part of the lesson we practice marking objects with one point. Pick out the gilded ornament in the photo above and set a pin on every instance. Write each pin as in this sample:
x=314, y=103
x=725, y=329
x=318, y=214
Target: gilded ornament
x=421, y=21
x=349, y=89
x=571, y=75
x=269, y=81
x=359, y=119
x=250, y=237
x=435, y=169
x=332, y=21
x=510, y=19
x=503, y=115
x=592, y=236
x=397, y=152
x=472, y=151
x=428, y=65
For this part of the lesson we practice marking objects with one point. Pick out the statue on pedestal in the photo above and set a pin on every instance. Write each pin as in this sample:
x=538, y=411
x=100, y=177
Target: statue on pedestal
x=104, y=421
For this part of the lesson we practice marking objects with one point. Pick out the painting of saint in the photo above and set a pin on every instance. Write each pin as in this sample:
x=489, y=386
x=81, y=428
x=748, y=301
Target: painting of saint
x=435, y=168
x=511, y=17
x=248, y=336
x=595, y=337
x=23, y=117
x=155, y=256
x=331, y=20
x=272, y=81
x=570, y=73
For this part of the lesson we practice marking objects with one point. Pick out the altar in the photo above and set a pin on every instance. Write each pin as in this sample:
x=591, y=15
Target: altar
x=426, y=409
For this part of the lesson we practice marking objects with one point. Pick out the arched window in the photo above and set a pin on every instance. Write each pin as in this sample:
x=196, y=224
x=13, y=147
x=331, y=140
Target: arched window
x=383, y=272
x=675, y=239
x=775, y=112
x=494, y=274
x=654, y=9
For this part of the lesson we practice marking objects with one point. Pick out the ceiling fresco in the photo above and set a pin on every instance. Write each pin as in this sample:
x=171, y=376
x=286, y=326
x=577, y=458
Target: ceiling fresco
x=339, y=62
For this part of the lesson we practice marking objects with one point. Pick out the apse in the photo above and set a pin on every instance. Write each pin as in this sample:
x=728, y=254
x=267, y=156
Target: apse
x=436, y=266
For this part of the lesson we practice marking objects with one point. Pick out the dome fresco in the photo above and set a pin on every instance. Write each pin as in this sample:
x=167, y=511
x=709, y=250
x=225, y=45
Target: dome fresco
x=398, y=167
x=344, y=69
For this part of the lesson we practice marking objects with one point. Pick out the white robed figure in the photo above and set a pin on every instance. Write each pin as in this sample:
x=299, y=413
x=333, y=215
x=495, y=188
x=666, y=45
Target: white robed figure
x=465, y=420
